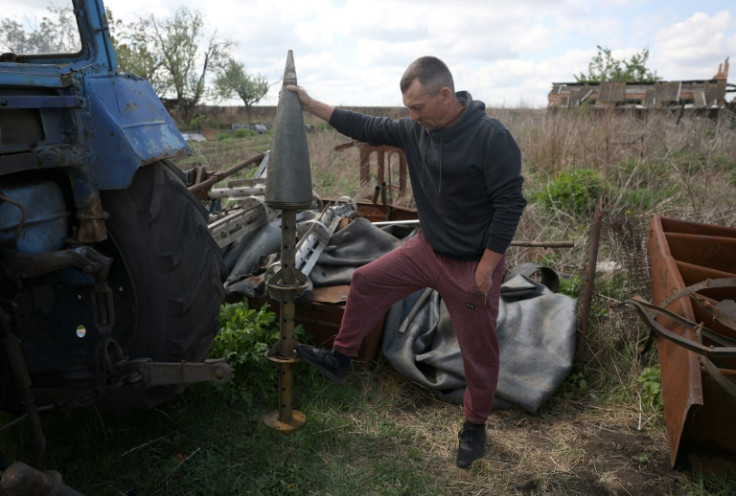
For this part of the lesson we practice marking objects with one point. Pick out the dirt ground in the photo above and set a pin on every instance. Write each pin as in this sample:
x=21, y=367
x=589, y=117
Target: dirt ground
x=569, y=447
x=583, y=450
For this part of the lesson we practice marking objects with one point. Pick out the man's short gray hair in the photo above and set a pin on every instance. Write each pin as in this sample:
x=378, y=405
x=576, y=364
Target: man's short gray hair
x=432, y=73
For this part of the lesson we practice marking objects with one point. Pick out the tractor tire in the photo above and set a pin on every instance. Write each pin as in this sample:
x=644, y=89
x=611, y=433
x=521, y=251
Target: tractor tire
x=166, y=278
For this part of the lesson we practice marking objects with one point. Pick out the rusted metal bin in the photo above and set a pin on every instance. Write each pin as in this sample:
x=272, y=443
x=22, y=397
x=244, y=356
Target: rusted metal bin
x=700, y=413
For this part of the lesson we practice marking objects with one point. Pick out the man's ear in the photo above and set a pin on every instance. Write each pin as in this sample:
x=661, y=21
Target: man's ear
x=446, y=94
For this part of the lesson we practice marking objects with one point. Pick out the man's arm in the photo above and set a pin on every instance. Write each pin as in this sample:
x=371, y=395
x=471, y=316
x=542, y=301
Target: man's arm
x=309, y=104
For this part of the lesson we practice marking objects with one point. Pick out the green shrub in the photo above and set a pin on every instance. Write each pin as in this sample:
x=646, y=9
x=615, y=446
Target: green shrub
x=244, y=133
x=575, y=193
x=245, y=336
x=224, y=136
x=197, y=122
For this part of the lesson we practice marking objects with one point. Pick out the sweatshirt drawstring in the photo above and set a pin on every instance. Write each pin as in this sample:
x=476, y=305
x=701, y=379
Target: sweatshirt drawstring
x=442, y=142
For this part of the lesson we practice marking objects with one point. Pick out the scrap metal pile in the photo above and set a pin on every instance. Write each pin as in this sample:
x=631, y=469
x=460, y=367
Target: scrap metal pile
x=693, y=316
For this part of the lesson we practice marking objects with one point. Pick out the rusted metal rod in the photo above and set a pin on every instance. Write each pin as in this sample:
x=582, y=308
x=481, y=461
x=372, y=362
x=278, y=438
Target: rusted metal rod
x=544, y=244
x=200, y=189
x=587, y=284
x=285, y=285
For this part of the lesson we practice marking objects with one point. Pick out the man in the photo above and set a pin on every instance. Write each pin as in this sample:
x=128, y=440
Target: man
x=465, y=171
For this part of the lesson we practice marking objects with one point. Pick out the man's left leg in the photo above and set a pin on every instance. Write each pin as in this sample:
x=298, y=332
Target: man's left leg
x=474, y=318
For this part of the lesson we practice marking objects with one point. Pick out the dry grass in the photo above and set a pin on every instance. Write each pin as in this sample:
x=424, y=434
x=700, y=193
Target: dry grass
x=604, y=439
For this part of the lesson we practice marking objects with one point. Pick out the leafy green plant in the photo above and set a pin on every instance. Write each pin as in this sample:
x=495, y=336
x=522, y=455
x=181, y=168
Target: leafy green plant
x=650, y=380
x=244, y=133
x=575, y=192
x=574, y=386
x=246, y=334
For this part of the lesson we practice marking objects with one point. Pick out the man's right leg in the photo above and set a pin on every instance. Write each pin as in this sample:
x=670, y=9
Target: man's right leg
x=373, y=289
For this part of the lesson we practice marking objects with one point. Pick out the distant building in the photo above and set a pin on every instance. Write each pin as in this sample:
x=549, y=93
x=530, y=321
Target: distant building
x=705, y=94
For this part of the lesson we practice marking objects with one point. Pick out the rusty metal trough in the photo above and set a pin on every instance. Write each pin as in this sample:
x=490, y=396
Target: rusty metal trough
x=693, y=277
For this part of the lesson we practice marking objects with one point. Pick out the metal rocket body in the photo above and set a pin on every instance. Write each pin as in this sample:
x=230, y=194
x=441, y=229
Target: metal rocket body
x=289, y=180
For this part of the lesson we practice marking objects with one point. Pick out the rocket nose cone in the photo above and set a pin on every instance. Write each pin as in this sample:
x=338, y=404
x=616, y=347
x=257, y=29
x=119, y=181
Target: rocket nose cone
x=288, y=181
x=289, y=70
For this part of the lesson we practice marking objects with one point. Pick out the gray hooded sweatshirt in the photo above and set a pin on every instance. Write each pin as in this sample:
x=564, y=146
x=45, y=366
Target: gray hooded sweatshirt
x=466, y=178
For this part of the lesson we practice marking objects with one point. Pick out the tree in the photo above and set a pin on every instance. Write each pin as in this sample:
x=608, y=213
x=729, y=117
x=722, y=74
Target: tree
x=133, y=50
x=176, y=55
x=176, y=41
x=55, y=33
x=604, y=67
x=233, y=79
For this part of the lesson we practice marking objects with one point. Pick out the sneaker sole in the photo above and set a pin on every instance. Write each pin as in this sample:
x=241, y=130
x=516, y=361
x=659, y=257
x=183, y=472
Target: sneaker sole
x=465, y=465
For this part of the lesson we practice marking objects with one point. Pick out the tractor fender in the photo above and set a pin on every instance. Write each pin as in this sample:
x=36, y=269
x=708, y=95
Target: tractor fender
x=130, y=128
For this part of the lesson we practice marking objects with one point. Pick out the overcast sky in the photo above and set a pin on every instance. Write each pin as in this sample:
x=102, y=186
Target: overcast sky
x=508, y=53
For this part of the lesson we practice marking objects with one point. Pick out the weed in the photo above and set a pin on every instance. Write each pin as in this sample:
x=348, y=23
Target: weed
x=651, y=387
x=722, y=484
x=575, y=386
x=570, y=286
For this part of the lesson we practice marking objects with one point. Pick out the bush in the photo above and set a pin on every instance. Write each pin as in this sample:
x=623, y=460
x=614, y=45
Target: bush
x=245, y=336
x=575, y=193
x=244, y=132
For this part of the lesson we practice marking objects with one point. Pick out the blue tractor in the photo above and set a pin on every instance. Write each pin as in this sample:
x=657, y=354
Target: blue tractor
x=110, y=279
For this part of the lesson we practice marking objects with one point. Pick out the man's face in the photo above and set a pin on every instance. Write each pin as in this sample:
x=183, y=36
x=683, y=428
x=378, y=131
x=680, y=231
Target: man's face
x=429, y=111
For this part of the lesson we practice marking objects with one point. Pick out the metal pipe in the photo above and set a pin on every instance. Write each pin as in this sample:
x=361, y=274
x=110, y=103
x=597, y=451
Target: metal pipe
x=200, y=189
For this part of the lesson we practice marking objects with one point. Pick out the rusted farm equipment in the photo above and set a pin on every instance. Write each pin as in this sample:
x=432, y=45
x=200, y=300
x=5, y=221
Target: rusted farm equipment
x=385, y=183
x=693, y=315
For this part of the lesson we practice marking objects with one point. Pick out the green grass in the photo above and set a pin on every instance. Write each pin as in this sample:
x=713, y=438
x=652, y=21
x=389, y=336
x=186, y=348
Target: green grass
x=200, y=444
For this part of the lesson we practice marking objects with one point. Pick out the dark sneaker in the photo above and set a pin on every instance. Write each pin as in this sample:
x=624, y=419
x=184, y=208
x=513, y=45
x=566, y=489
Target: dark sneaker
x=325, y=361
x=472, y=444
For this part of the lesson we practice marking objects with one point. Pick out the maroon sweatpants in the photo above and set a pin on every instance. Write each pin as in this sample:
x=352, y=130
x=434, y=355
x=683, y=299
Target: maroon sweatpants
x=414, y=266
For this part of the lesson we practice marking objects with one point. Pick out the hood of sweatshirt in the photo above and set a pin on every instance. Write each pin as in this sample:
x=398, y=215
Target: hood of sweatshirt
x=435, y=140
x=474, y=110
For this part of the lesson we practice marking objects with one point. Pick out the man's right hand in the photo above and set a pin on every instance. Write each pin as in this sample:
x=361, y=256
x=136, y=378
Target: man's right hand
x=301, y=93
x=309, y=104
